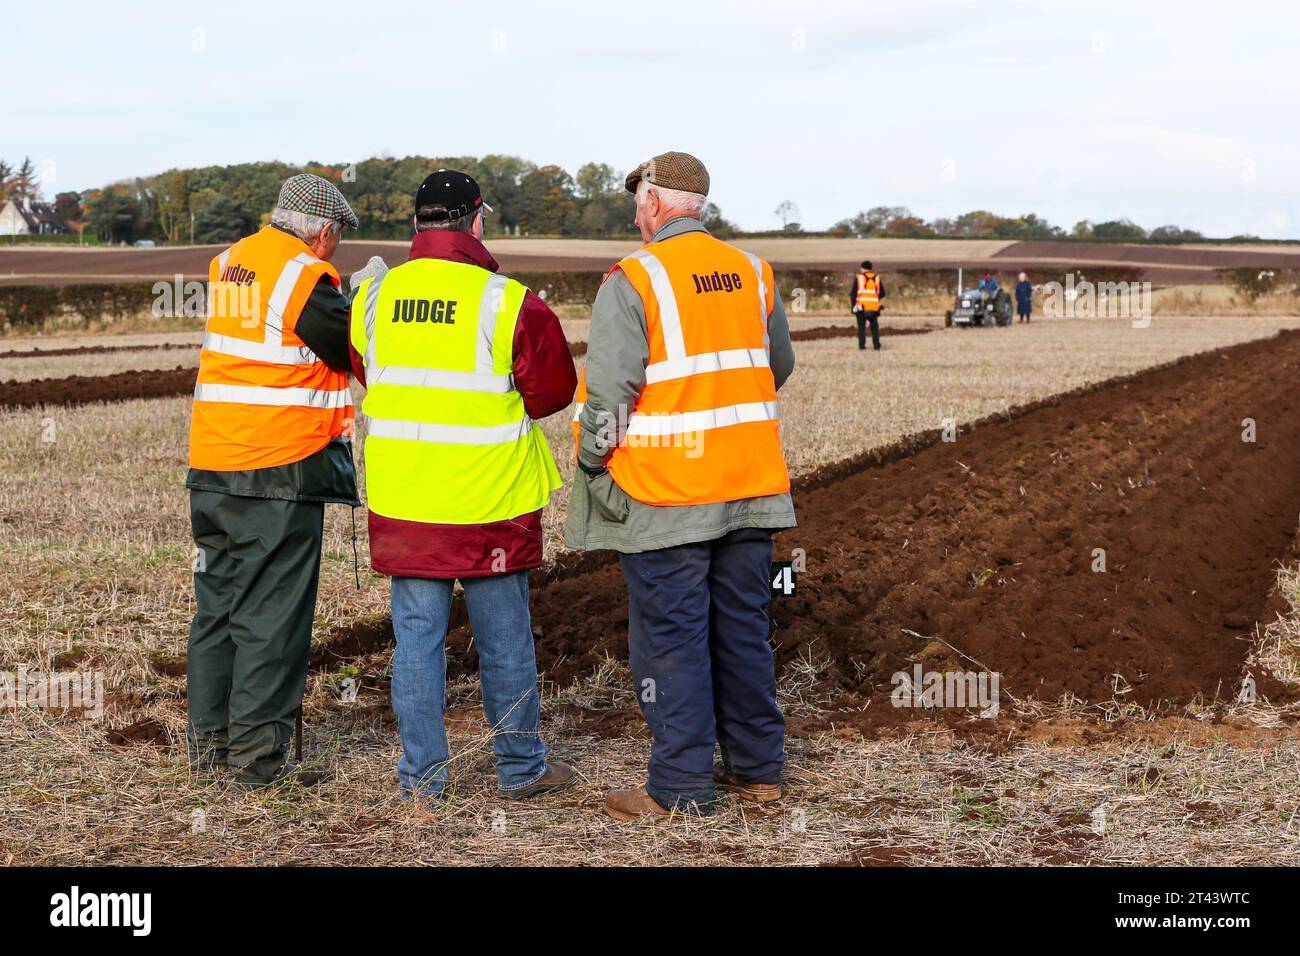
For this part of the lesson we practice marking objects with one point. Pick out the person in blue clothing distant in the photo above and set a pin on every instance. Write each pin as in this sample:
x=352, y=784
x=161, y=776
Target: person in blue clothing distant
x=1024, y=298
x=989, y=285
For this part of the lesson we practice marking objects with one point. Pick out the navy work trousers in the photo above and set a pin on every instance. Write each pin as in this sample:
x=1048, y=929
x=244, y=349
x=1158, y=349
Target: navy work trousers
x=702, y=666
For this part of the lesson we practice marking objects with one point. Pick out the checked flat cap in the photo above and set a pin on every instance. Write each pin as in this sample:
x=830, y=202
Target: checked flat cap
x=672, y=171
x=316, y=197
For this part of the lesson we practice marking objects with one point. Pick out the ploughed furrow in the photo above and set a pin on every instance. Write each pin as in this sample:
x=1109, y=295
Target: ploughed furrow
x=989, y=544
x=169, y=383
x=117, y=387
x=39, y=352
x=87, y=389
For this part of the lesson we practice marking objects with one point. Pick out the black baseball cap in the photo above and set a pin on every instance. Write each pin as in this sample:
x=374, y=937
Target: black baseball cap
x=453, y=194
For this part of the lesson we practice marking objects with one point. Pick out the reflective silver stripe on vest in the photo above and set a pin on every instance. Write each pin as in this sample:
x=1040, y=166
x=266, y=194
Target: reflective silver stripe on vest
x=279, y=300
x=372, y=303
x=449, y=434
x=706, y=362
x=682, y=423
x=757, y=263
x=440, y=378
x=577, y=409
x=272, y=348
x=670, y=320
x=489, y=308
x=270, y=395
x=481, y=380
x=259, y=351
x=679, y=364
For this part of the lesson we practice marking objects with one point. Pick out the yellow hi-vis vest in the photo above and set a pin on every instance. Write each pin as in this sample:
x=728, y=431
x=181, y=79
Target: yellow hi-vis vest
x=448, y=438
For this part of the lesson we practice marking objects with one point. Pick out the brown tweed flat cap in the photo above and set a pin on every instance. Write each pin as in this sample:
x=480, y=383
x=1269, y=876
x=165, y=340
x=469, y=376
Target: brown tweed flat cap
x=316, y=197
x=671, y=171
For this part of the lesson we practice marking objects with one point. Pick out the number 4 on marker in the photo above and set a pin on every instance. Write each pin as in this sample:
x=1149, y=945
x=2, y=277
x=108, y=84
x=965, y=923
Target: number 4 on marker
x=783, y=577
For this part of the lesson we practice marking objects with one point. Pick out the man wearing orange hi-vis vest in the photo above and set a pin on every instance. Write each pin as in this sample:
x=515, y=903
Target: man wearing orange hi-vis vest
x=269, y=446
x=681, y=471
x=865, y=299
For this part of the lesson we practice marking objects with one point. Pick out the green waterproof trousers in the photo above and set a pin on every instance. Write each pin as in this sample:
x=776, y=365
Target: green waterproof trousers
x=256, y=568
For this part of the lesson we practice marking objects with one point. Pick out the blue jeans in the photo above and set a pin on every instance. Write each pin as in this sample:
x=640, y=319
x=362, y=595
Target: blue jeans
x=503, y=635
x=702, y=666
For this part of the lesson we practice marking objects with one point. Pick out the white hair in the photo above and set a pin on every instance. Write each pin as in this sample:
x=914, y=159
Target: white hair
x=303, y=224
x=692, y=203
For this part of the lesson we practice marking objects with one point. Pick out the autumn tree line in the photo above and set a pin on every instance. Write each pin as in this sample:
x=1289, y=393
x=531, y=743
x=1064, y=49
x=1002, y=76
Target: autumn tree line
x=221, y=203
x=898, y=222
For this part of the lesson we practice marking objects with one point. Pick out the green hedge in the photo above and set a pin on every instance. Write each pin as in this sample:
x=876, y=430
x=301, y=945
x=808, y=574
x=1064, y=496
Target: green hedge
x=1253, y=282
x=567, y=288
x=30, y=308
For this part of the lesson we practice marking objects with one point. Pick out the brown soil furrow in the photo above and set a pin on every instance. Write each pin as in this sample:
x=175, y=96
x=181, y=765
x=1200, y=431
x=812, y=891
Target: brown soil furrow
x=87, y=389
x=988, y=544
x=118, y=387
x=39, y=352
x=1065, y=250
x=848, y=332
x=168, y=383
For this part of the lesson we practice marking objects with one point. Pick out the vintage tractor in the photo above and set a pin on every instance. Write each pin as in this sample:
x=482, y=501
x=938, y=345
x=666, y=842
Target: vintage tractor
x=976, y=308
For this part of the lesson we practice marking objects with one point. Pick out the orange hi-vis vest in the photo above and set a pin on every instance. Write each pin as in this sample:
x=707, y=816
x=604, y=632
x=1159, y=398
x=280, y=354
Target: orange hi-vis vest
x=263, y=398
x=706, y=426
x=868, y=292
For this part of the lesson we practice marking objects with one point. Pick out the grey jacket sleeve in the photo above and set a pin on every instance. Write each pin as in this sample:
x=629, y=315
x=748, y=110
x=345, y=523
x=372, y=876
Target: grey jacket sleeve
x=618, y=349
x=781, y=347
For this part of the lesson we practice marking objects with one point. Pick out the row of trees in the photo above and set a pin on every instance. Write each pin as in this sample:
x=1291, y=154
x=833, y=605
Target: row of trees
x=221, y=203
x=899, y=222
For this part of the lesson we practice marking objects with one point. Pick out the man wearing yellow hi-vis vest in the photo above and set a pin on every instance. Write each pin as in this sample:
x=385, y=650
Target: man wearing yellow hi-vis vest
x=458, y=363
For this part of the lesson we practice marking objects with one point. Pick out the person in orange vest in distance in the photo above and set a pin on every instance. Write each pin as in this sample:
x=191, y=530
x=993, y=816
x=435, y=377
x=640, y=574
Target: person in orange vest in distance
x=866, y=297
x=681, y=471
x=269, y=446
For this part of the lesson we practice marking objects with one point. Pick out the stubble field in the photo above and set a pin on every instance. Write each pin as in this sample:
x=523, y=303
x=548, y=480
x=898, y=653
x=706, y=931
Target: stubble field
x=97, y=578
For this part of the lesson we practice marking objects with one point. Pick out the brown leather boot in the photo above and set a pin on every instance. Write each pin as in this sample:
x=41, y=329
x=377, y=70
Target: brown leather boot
x=558, y=776
x=758, y=792
x=631, y=805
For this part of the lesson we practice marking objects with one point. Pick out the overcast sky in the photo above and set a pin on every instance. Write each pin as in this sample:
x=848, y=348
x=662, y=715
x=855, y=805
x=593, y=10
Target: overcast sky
x=1164, y=112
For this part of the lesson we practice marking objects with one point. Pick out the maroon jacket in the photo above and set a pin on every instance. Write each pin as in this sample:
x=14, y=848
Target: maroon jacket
x=546, y=379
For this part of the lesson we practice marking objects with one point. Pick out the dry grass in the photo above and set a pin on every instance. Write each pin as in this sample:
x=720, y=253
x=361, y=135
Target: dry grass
x=840, y=400
x=72, y=340
x=97, y=541
x=922, y=800
x=1219, y=300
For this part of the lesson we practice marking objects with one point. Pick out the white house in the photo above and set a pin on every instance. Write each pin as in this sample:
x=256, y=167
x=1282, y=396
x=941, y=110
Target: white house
x=22, y=217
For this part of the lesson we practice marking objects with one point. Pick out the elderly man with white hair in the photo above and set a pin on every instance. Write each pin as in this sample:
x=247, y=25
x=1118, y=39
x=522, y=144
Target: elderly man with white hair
x=681, y=471
x=269, y=447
